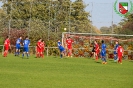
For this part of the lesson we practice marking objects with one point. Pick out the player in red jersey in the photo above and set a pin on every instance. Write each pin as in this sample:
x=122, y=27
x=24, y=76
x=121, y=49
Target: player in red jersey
x=96, y=50
x=43, y=48
x=69, y=42
x=120, y=51
x=6, y=46
x=38, y=48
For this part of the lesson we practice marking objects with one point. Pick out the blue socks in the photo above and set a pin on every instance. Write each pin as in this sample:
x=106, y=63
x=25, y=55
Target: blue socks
x=61, y=55
x=17, y=53
x=26, y=55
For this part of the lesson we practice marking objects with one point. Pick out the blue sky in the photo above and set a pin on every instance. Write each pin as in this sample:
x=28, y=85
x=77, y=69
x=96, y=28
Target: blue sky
x=102, y=11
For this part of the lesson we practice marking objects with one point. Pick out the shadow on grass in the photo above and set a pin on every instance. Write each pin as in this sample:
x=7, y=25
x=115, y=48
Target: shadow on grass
x=55, y=57
x=110, y=59
x=98, y=62
x=114, y=62
x=130, y=60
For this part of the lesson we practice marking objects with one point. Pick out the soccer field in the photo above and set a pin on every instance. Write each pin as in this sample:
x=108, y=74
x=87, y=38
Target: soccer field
x=53, y=72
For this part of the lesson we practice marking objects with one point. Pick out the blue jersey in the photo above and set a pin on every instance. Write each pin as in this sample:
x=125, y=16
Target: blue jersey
x=103, y=47
x=103, y=50
x=115, y=49
x=26, y=43
x=18, y=42
x=60, y=46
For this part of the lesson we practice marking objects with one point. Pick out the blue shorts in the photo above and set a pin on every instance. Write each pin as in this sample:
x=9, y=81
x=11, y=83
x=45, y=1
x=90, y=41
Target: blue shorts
x=103, y=53
x=115, y=52
x=17, y=46
x=26, y=49
x=62, y=49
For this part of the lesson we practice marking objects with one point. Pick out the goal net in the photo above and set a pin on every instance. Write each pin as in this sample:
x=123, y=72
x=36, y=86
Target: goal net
x=83, y=43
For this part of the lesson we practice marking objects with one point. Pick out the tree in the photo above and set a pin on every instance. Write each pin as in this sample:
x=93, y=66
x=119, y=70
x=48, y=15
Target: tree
x=126, y=25
x=105, y=30
x=47, y=17
x=80, y=17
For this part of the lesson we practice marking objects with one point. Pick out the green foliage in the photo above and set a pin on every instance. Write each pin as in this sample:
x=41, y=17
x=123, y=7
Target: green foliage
x=105, y=30
x=59, y=13
x=1, y=41
x=45, y=19
x=125, y=26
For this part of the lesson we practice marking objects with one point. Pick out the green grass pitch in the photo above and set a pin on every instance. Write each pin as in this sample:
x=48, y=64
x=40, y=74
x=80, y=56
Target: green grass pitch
x=53, y=72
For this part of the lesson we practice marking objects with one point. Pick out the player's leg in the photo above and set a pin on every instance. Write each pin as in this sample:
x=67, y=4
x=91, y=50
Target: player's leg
x=102, y=57
x=6, y=48
x=64, y=53
x=18, y=50
x=68, y=52
x=23, y=54
x=71, y=52
x=38, y=53
x=120, y=59
x=115, y=57
x=4, y=54
x=24, y=51
x=27, y=52
x=61, y=53
x=103, y=54
x=105, y=57
x=105, y=61
x=42, y=53
x=96, y=55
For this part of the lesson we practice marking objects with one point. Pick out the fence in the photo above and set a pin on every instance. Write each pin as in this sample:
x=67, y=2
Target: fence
x=48, y=50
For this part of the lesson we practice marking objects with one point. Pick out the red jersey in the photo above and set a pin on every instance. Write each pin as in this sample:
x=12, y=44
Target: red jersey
x=39, y=44
x=42, y=45
x=97, y=48
x=120, y=51
x=7, y=43
x=69, y=42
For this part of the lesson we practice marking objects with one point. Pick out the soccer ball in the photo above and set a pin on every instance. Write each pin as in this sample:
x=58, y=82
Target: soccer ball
x=65, y=29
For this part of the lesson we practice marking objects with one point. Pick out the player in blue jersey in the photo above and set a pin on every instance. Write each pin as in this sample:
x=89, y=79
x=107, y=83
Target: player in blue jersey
x=115, y=51
x=103, y=53
x=18, y=45
x=61, y=48
x=26, y=44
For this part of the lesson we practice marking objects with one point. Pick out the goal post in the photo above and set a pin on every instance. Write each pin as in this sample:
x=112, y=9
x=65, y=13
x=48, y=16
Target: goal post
x=83, y=43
